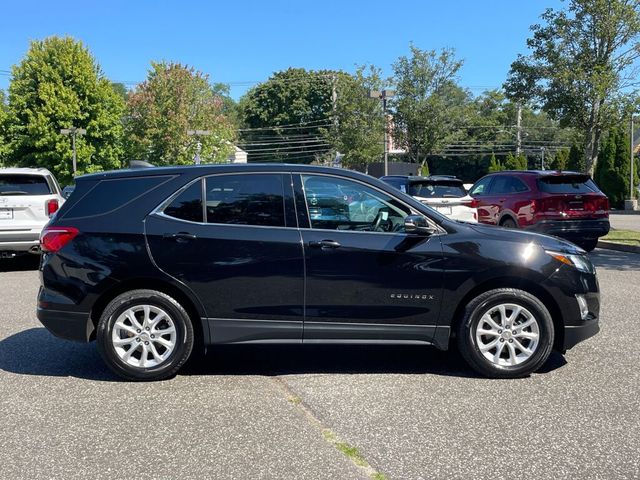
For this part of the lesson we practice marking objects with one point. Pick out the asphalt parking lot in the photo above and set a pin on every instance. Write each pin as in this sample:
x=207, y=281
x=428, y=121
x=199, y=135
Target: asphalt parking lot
x=278, y=412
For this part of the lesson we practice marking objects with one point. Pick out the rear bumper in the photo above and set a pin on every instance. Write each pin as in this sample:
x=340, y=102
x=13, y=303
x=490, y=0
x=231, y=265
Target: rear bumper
x=572, y=229
x=20, y=241
x=68, y=325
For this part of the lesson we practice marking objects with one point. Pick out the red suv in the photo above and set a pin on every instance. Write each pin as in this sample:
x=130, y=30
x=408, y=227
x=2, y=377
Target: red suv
x=566, y=204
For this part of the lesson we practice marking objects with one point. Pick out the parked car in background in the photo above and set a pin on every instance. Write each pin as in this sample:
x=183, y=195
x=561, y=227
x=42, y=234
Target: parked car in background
x=28, y=199
x=443, y=192
x=566, y=204
x=152, y=263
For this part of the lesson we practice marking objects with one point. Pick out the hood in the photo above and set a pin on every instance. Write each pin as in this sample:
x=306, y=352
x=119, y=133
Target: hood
x=511, y=235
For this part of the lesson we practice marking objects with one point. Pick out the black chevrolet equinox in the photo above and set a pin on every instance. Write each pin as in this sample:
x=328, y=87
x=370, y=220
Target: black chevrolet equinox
x=157, y=264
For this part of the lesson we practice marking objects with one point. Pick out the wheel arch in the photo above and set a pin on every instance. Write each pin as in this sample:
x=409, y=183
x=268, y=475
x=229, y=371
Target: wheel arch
x=185, y=299
x=508, y=215
x=519, y=283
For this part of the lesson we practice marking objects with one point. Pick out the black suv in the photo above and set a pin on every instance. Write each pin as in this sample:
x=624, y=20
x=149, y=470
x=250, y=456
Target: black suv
x=154, y=264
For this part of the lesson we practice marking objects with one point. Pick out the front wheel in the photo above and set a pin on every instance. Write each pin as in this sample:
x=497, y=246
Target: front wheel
x=144, y=335
x=505, y=333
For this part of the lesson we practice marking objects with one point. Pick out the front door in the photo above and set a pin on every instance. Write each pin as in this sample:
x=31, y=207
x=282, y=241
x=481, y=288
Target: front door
x=365, y=277
x=239, y=250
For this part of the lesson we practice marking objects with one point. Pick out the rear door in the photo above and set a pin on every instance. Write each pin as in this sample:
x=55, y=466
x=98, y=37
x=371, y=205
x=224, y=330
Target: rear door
x=239, y=250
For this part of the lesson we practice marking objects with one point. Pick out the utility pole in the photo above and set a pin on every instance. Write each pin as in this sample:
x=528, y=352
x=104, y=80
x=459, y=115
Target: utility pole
x=542, y=158
x=631, y=162
x=198, y=134
x=384, y=95
x=519, y=130
x=73, y=131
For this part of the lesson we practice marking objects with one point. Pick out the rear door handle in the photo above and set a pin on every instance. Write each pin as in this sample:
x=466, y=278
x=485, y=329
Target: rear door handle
x=180, y=236
x=324, y=244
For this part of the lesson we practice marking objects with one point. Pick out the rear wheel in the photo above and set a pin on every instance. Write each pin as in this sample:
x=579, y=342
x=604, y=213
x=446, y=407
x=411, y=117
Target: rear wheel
x=145, y=335
x=588, y=244
x=508, y=223
x=505, y=333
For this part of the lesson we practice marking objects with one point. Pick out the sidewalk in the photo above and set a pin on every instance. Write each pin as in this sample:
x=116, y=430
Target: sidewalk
x=622, y=221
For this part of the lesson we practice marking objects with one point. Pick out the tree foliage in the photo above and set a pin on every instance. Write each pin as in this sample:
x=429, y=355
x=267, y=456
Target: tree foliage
x=428, y=103
x=58, y=85
x=494, y=164
x=559, y=160
x=581, y=59
x=612, y=172
x=172, y=100
x=575, y=161
x=4, y=139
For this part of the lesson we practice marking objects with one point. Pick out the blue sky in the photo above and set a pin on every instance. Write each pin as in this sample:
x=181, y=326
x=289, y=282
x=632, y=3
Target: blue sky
x=238, y=42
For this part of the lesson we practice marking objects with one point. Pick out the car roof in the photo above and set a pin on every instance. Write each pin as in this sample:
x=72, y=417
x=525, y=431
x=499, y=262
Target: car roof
x=24, y=171
x=538, y=172
x=210, y=169
x=418, y=178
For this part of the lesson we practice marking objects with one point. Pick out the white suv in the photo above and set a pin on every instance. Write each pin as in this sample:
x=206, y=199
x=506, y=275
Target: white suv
x=443, y=192
x=28, y=198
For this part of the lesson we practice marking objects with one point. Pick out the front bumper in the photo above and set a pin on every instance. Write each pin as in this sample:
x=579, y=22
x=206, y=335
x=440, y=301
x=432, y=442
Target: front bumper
x=572, y=229
x=68, y=325
x=574, y=334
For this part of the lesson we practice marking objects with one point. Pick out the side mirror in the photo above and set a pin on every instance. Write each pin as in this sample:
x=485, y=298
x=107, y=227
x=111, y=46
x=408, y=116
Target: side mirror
x=418, y=224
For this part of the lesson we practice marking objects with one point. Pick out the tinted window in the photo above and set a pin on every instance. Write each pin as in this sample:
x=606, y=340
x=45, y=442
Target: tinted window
x=187, y=205
x=398, y=183
x=518, y=185
x=109, y=195
x=482, y=187
x=245, y=199
x=567, y=184
x=439, y=189
x=339, y=204
x=23, y=185
x=507, y=184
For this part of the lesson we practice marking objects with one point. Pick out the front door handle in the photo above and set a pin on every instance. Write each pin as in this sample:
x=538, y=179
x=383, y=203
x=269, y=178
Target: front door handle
x=324, y=244
x=180, y=237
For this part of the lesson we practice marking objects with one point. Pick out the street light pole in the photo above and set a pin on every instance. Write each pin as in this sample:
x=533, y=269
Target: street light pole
x=198, y=134
x=73, y=131
x=384, y=95
x=631, y=192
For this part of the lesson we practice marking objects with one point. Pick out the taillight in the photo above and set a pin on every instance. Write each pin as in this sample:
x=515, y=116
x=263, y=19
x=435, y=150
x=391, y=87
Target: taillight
x=52, y=206
x=473, y=203
x=53, y=239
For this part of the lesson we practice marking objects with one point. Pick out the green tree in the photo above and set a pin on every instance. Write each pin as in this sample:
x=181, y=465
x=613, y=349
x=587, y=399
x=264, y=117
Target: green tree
x=58, y=84
x=359, y=120
x=4, y=140
x=510, y=162
x=429, y=106
x=172, y=100
x=288, y=117
x=521, y=162
x=494, y=164
x=559, y=160
x=575, y=161
x=581, y=60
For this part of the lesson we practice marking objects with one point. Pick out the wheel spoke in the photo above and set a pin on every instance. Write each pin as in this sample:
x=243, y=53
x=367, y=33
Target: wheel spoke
x=165, y=331
x=526, y=324
x=126, y=328
x=164, y=342
x=143, y=357
x=503, y=315
x=155, y=353
x=488, y=346
x=529, y=335
x=512, y=354
x=146, y=309
x=514, y=315
x=487, y=318
x=522, y=348
x=128, y=353
x=496, y=356
x=124, y=341
x=130, y=314
x=482, y=331
x=158, y=318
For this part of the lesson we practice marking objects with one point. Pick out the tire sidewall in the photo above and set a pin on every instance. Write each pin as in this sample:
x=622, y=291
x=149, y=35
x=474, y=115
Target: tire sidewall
x=545, y=340
x=184, y=335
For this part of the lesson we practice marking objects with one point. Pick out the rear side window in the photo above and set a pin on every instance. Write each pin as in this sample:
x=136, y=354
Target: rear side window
x=397, y=183
x=109, y=195
x=439, y=189
x=507, y=184
x=567, y=184
x=250, y=199
x=11, y=184
x=187, y=205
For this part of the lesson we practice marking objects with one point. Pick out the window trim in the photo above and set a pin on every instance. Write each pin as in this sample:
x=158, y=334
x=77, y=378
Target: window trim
x=413, y=211
x=159, y=210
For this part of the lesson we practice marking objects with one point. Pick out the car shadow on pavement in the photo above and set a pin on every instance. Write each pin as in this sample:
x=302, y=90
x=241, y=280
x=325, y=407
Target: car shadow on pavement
x=615, y=260
x=20, y=264
x=273, y=360
x=37, y=352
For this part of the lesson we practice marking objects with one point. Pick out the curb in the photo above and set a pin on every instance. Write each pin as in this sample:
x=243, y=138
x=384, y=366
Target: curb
x=619, y=247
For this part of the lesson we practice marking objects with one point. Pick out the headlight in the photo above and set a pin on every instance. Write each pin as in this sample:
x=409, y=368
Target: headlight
x=580, y=262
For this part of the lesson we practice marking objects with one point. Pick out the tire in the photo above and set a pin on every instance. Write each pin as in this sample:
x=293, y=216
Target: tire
x=512, y=361
x=508, y=222
x=588, y=244
x=126, y=331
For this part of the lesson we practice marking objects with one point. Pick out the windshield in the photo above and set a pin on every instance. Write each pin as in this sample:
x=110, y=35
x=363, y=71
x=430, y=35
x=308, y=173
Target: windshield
x=567, y=184
x=11, y=184
x=440, y=189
